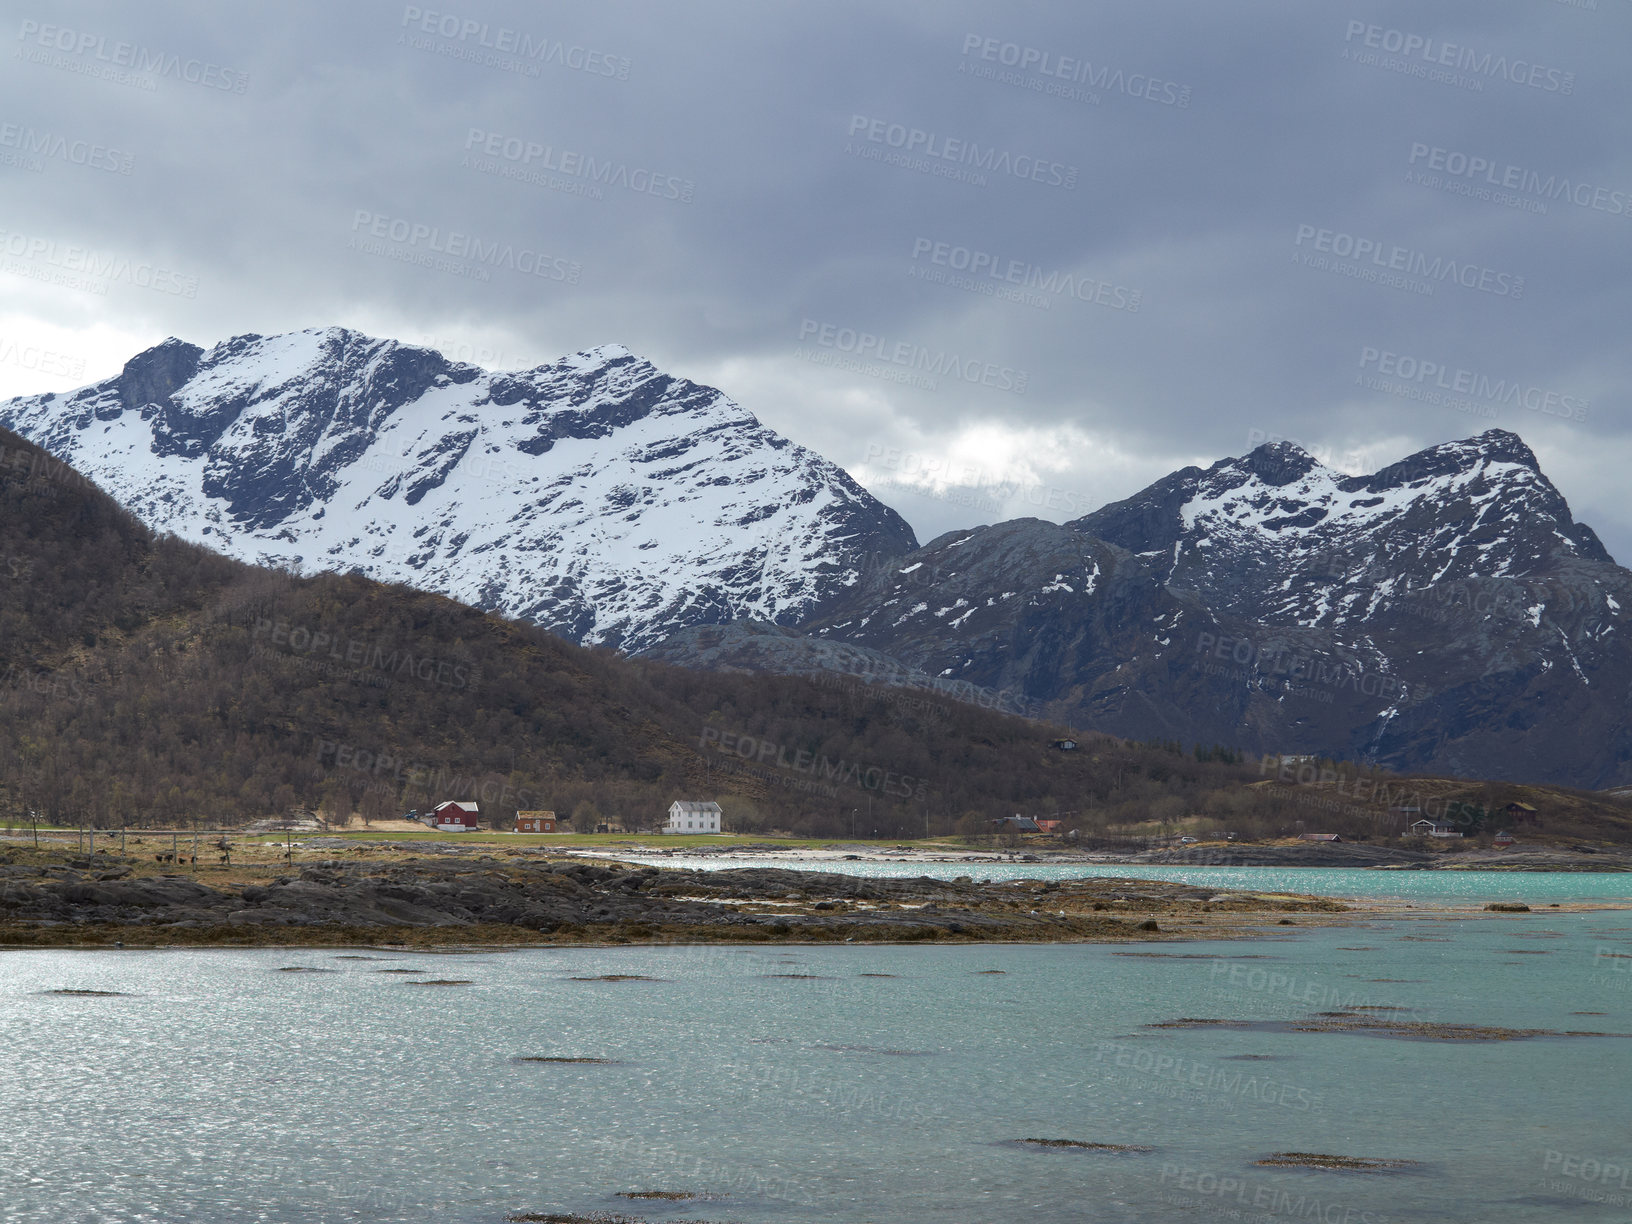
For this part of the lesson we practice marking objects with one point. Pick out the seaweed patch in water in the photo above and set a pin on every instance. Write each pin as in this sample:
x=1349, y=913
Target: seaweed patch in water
x=1079, y=1145
x=1320, y=1160
x=90, y=994
x=1380, y=1026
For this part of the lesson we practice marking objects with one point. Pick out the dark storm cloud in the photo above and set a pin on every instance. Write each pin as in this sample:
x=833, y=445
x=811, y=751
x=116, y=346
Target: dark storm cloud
x=1139, y=236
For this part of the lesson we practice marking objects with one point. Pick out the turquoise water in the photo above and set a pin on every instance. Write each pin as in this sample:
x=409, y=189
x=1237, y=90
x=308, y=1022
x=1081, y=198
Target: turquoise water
x=1424, y=887
x=790, y=1085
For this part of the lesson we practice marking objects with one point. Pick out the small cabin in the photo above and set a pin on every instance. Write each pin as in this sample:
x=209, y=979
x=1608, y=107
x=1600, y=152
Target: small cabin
x=535, y=822
x=1522, y=813
x=1064, y=745
x=454, y=817
x=693, y=816
x=1502, y=840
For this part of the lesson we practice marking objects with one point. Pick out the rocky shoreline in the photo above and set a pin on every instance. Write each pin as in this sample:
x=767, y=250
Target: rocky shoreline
x=55, y=899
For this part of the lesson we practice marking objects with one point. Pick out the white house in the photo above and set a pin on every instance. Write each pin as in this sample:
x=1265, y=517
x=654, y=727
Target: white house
x=688, y=816
x=1432, y=828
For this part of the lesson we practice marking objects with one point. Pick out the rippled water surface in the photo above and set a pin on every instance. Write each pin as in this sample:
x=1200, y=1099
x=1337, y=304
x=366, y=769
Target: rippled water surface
x=1425, y=887
x=823, y=1084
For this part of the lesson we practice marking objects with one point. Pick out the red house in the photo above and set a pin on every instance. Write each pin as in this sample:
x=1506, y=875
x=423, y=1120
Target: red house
x=454, y=815
x=535, y=822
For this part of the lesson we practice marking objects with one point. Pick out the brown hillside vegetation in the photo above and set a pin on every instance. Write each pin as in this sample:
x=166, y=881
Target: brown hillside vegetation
x=144, y=680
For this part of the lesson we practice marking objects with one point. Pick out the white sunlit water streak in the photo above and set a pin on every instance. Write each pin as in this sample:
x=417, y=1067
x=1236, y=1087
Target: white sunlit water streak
x=1424, y=887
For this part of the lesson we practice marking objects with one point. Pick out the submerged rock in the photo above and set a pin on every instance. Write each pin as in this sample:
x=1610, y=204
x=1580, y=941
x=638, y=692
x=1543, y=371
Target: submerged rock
x=1318, y=1160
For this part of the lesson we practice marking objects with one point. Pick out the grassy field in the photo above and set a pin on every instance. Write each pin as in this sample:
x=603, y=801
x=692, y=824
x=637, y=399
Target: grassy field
x=568, y=840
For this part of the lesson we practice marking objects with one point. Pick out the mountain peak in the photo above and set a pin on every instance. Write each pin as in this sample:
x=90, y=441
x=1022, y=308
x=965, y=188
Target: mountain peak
x=1276, y=463
x=1478, y=507
x=1465, y=455
x=596, y=495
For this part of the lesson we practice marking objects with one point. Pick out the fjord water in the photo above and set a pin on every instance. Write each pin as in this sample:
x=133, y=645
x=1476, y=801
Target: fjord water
x=817, y=1084
x=1422, y=887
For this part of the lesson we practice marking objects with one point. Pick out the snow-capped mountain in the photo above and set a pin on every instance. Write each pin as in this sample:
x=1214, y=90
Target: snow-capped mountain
x=1280, y=538
x=596, y=496
x=1444, y=613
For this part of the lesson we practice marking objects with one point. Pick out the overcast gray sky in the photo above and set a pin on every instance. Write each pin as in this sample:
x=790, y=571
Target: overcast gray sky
x=994, y=261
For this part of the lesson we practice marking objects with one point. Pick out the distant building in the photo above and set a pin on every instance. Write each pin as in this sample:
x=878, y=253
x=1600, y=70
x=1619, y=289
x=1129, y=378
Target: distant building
x=1050, y=826
x=1431, y=828
x=1522, y=813
x=1016, y=824
x=690, y=816
x=535, y=822
x=454, y=817
x=1503, y=840
x=1320, y=837
x=1064, y=745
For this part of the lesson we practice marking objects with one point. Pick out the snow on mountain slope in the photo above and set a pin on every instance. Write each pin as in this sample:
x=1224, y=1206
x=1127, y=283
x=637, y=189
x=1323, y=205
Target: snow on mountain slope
x=1276, y=536
x=596, y=496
